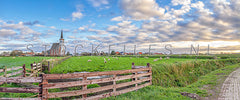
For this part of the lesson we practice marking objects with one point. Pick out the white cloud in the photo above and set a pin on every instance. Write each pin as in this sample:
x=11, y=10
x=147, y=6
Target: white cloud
x=181, y=2
x=118, y=18
x=71, y=37
x=141, y=9
x=98, y=32
x=98, y=3
x=76, y=15
x=20, y=26
x=39, y=25
x=185, y=24
x=1, y=21
x=93, y=24
x=64, y=19
x=52, y=27
x=7, y=33
x=200, y=6
x=81, y=28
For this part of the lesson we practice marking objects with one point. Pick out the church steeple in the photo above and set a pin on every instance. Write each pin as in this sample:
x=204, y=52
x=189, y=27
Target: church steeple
x=61, y=39
x=61, y=34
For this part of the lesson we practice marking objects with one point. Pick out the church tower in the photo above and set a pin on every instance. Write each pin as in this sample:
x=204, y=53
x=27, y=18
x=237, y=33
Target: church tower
x=61, y=45
x=61, y=39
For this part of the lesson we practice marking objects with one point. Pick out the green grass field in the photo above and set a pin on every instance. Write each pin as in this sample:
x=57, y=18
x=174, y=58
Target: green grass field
x=19, y=61
x=79, y=64
x=170, y=76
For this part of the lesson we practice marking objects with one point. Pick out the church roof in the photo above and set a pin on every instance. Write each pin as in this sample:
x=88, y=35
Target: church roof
x=55, y=46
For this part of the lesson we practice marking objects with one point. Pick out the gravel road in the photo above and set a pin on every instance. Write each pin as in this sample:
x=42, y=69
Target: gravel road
x=231, y=87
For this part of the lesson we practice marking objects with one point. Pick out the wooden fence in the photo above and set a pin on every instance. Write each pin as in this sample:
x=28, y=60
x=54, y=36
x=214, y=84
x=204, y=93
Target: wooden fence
x=21, y=71
x=36, y=68
x=115, y=83
x=20, y=90
x=14, y=71
x=51, y=64
x=8, y=72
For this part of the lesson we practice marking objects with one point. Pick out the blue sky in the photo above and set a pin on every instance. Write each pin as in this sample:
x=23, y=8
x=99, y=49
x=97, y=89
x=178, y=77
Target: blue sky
x=119, y=22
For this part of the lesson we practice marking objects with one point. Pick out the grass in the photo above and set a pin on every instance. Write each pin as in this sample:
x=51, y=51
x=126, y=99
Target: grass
x=170, y=76
x=80, y=64
x=15, y=95
x=10, y=62
x=185, y=73
x=19, y=61
x=155, y=92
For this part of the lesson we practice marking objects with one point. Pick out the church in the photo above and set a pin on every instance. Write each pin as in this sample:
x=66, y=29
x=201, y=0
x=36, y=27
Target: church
x=58, y=49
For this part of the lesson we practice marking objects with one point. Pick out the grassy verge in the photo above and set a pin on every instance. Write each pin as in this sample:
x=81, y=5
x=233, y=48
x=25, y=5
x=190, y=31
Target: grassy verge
x=185, y=73
x=200, y=87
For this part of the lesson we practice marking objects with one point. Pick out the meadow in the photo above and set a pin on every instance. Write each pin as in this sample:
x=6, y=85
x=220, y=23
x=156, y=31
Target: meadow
x=97, y=63
x=170, y=76
x=19, y=61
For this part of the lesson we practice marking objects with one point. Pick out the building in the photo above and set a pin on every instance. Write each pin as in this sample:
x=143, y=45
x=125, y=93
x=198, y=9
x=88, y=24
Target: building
x=16, y=53
x=5, y=54
x=58, y=49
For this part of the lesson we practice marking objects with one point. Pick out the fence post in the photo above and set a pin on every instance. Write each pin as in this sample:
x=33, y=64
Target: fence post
x=48, y=67
x=12, y=71
x=135, y=73
x=133, y=67
x=150, y=71
x=43, y=92
x=24, y=70
x=41, y=66
x=84, y=87
x=136, y=79
x=31, y=67
x=114, y=84
x=5, y=71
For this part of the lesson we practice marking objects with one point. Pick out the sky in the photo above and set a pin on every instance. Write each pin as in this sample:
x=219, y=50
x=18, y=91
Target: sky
x=180, y=23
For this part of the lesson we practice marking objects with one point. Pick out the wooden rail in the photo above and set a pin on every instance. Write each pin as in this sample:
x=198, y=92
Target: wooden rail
x=21, y=79
x=20, y=90
x=20, y=98
x=15, y=71
x=35, y=69
x=116, y=83
x=114, y=77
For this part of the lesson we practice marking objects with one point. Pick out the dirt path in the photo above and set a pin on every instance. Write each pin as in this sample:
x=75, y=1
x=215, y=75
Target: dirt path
x=231, y=87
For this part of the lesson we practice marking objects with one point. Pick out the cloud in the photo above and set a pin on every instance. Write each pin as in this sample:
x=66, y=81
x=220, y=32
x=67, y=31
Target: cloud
x=64, y=19
x=39, y=25
x=200, y=6
x=21, y=27
x=31, y=23
x=98, y=32
x=76, y=15
x=66, y=30
x=181, y=2
x=98, y=3
x=71, y=37
x=81, y=28
x=52, y=27
x=7, y=32
x=141, y=9
x=193, y=21
x=118, y=18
